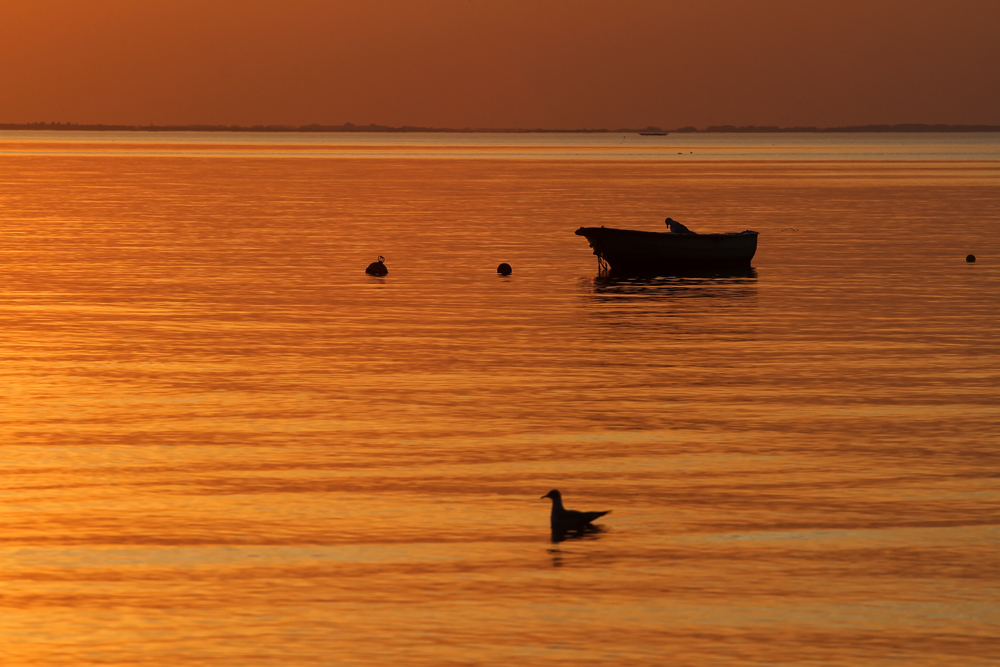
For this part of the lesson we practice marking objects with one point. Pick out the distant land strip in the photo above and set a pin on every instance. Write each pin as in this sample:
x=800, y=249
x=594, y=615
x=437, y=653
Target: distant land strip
x=351, y=127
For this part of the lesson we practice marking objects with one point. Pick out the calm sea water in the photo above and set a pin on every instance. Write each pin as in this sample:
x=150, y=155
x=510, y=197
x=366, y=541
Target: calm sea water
x=224, y=444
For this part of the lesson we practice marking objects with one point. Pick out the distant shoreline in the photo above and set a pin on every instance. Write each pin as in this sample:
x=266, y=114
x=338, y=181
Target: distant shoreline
x=350, y=127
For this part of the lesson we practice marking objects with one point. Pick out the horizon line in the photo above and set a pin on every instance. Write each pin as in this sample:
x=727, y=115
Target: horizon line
x=372, y=127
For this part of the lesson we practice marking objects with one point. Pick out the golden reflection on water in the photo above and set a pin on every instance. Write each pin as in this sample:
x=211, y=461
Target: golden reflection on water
x=224, y=444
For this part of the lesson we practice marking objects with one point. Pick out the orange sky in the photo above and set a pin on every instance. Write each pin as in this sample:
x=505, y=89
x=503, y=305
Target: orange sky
x=501, y=63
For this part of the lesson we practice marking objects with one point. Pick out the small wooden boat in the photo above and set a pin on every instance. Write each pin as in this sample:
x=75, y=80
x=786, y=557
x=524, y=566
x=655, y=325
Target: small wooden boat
x=633, y=252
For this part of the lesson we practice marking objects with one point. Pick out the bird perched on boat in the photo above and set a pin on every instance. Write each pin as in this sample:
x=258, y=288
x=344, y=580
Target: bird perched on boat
x=677, y=228
x=566, y=521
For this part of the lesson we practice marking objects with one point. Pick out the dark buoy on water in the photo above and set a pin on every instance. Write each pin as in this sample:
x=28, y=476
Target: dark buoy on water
x=504, y=269
x=377, y=268
x=970, y=258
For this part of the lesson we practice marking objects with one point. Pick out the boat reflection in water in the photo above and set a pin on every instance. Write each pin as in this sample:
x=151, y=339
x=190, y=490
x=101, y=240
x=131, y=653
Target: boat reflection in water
x=705, y=284
x=717, y=306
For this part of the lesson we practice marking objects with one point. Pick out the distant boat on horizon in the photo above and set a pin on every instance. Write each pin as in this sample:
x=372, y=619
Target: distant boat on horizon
x=653, y=134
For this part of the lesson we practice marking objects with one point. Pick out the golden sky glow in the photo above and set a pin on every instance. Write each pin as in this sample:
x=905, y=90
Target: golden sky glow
x=501, y=63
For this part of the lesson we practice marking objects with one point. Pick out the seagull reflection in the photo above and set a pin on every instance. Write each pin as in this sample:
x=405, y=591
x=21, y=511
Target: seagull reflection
x=588, y=532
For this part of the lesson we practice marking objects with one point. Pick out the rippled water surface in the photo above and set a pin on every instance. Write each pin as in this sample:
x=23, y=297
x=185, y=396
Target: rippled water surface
x=223, y=443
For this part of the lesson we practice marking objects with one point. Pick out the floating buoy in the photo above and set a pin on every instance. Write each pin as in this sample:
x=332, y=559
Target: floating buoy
x=970, y=258
x=377, y=268
x=504, y=269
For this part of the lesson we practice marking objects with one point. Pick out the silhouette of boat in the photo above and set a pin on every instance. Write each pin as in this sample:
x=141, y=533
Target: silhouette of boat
x=638, y=253
x=653, y=134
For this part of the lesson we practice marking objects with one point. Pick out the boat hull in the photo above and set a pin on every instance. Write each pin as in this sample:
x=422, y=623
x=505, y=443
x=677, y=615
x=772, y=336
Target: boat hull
x=633, y=252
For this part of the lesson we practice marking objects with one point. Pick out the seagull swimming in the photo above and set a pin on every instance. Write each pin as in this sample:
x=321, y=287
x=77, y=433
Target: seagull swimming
x=564, y=520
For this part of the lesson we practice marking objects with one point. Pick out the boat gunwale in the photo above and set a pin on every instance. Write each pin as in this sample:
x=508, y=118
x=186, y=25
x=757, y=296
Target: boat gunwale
x=582, y=232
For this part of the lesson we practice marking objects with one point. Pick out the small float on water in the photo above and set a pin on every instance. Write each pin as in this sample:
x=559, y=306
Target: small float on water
x=635, y=252
x=377, y=268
